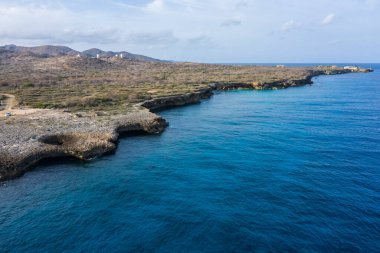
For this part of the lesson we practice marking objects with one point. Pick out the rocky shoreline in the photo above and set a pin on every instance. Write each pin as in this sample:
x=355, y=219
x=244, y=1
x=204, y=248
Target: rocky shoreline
x=195, y=97
x=25, y=141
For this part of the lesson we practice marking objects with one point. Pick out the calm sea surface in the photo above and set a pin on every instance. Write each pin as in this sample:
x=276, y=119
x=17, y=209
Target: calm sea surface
x=295, y=170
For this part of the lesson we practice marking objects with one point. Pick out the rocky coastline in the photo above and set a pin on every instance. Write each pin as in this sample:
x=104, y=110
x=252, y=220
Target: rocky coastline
x=24, y=144
x=25, y=141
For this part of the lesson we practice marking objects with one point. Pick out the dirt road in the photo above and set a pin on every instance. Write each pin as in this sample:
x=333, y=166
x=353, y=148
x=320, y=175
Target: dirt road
x=8, y=104
x=8, y=101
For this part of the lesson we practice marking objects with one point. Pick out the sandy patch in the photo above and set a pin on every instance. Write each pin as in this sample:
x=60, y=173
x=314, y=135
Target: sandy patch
x=23, y=112
x=9, y=102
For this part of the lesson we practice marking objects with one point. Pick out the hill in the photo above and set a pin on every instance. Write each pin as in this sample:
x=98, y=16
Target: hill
x=54, y=51
x=93, y=52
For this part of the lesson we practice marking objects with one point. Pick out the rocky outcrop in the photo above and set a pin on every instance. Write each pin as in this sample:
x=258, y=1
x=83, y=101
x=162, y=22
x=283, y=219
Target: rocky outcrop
x=80, y=145
x=24, y=144
x=177, y=100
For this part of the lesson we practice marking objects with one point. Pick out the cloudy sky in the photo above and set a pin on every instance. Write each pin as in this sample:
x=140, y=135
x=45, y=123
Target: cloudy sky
x=202, y=30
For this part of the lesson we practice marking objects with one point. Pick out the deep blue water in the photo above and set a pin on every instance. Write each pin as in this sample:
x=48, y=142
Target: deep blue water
x=295, y=170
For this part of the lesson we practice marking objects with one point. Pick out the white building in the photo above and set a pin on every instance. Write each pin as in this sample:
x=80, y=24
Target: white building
x=352, y=68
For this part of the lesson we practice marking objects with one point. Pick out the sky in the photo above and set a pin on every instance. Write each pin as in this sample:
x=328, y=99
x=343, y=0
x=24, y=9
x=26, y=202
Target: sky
x=223, y=31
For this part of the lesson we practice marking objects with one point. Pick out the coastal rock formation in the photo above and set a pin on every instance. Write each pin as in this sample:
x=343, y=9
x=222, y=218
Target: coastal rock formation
x=177, y=100
x=24, y=142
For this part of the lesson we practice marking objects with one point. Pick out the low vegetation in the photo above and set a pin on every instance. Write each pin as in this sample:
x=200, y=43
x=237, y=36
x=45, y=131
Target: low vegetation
x=115, y=85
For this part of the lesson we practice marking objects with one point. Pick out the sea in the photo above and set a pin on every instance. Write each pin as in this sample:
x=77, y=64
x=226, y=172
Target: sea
x=293, y=170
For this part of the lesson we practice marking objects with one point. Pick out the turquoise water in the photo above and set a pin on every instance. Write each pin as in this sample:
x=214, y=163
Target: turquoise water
x=294, y=170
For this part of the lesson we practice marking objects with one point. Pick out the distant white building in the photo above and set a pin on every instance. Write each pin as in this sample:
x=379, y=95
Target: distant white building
x=352, y=68
x=121, y=56
x=97, y=56
x=280, y=66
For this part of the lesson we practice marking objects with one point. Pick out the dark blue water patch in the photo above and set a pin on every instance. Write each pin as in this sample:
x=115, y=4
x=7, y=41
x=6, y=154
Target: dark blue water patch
x=293, y=170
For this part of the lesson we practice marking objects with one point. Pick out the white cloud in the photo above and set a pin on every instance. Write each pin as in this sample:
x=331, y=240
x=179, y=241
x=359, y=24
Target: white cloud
x=124, y=5
x=199, y=41
x=328, y=19
x=155, y=5
x=231, y=22
x=289, y=25
x=210, y=30
x=156, y=39
x=52, y=24
x=241, y=4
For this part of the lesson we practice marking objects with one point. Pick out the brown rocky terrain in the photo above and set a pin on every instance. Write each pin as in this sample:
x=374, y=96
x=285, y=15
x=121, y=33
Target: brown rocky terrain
x=65, y=105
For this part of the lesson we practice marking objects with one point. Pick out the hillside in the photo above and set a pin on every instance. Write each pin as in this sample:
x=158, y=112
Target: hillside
x=54, y=51
x=93, y=52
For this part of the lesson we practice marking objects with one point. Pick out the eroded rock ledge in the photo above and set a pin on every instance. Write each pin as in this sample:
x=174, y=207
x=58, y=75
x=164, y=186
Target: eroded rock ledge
x=25, y=141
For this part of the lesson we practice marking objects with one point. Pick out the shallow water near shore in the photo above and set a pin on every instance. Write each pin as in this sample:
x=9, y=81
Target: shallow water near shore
x=294, y=170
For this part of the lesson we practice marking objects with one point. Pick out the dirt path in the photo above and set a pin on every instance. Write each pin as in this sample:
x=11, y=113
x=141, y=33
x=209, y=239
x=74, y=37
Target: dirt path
x=9, y=102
